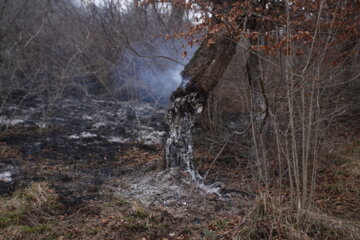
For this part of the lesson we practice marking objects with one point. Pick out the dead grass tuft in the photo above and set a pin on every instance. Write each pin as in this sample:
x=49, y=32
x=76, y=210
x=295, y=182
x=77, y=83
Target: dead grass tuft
x=273, y=221
x=26, y=212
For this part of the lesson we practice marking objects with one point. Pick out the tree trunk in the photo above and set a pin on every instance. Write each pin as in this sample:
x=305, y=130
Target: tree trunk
x=200, y=76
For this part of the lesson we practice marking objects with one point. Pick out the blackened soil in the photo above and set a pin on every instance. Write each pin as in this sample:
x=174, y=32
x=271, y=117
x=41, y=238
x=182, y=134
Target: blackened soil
x=95, y=155
x=77, y=147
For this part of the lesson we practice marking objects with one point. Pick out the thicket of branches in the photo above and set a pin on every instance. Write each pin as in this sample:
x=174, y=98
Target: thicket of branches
x=55, y=49
x=294, y=75
x=296, y=70
x=293, y=83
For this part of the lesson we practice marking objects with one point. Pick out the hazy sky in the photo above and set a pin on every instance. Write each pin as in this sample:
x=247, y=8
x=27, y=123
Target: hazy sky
x=100, y=2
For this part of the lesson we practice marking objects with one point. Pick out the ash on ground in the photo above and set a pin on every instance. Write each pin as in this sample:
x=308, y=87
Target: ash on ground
x=111, y=121
x=94, y=150
x=174, y=192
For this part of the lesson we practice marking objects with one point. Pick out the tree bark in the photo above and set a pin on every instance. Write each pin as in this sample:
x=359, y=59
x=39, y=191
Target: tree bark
x=200, y=76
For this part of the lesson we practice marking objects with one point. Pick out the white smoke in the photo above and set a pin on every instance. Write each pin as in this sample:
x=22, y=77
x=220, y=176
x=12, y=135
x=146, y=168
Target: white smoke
x=152, y=73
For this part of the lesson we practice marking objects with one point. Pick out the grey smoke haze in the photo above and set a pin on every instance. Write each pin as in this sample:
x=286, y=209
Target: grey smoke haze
x=152, y=77
x=145, y=78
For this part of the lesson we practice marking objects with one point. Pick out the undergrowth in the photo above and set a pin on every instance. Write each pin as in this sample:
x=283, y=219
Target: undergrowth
x=27, y=212
x=267, y=220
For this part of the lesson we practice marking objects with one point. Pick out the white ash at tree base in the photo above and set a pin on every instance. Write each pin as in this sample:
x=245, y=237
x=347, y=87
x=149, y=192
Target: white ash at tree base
x=174, y=192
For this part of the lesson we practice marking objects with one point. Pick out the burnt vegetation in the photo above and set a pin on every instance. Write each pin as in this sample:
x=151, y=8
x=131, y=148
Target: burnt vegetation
x=179, y=119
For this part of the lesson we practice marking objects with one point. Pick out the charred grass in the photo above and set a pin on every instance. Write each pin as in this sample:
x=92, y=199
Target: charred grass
x=58, y=208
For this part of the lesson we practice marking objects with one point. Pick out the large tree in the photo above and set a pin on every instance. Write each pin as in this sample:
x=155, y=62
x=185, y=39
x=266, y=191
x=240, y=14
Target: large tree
x=199, y=77
x=202, y=74
x=304, y=39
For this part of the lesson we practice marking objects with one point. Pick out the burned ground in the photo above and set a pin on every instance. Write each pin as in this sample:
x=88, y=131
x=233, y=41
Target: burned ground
x=102, y=160
x=94, y=171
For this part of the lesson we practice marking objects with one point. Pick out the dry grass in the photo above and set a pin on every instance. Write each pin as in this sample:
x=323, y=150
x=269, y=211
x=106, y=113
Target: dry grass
x=267, y=220
x=27, y=212
x=338, y=190
x=335, y=214
x=8, y=151
x=34, y=213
